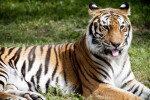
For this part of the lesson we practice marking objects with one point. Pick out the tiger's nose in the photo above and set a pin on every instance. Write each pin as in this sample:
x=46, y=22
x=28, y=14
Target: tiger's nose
x=115, y=44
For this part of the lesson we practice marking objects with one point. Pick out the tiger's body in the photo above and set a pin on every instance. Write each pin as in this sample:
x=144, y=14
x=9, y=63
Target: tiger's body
x=97, y=65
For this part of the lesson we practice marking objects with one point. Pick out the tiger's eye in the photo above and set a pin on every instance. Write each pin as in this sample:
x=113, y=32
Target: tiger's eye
x=122, y=27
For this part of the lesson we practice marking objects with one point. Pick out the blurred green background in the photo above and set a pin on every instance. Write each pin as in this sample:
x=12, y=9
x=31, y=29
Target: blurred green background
x=39, y=22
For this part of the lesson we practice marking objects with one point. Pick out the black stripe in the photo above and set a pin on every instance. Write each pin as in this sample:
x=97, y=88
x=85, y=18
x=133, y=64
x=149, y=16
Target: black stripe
x=47, y=59
x=90, y=29
x=1, y=66
x=41, y=48
x=141, y=92
x=15, y=58
x=17, y=54
x=26, y=48
x=136, y=89
x=47, y=85
x=59, y=50
x=1, y=53
x=31, y=58
x=1, y=71
x=2, y=62
x=103, y=21
x=106, y=14
x=29, y=85
x=10, y=50
x=64, y=64
x=57, y=79
x=23, y=69
x=131, y=88
x=3, y=76
x=129, y=27
x=54, y=72
x=99, y=21
x=100, y=58
x=66, y=49
x=95, y=78
x=2, y=83
x=32, y=80
x=2, y=50
x=38, y=75
x=104, y=71
x=70, y=50
x=125, y=84
x=10, y=63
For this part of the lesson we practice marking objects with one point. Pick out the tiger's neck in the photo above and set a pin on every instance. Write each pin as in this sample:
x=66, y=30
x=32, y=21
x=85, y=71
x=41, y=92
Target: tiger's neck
x=89, y=64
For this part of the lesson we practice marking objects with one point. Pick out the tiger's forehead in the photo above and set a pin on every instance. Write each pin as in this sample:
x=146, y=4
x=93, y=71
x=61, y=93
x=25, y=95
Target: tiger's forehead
x=111, y=16
x=108, y=17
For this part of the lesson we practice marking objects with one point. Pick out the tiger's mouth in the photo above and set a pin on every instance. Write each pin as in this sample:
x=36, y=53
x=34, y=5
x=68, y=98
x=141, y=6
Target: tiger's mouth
x=114, y=52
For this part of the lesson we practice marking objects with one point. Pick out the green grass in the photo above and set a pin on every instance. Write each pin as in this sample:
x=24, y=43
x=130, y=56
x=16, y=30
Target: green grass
x=38, y=22
x=140, y=56
x=57, y=94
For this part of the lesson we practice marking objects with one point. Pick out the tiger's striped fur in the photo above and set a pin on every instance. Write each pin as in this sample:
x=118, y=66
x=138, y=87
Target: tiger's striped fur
x=97, y=65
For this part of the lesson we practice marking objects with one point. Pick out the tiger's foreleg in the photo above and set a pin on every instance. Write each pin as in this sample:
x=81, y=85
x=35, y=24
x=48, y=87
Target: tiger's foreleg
x=11, y=89
x=6, y=96
x=137, y=88
x=108, y=92
x=3, y=82
x=10, y=92
x=3, y=94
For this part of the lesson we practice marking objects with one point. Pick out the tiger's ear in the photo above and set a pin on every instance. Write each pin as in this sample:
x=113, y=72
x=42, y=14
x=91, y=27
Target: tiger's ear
x=93, y=9
x=124, y=9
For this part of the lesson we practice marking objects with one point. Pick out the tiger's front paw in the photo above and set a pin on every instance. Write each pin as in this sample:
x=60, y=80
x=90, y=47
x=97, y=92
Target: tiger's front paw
x=33, y=96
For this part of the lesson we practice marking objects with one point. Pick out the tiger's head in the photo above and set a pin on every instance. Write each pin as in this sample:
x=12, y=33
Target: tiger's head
x=109, y=32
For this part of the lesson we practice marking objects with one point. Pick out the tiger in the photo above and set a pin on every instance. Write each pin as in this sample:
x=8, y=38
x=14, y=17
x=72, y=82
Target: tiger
x=97, y=66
